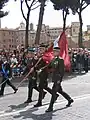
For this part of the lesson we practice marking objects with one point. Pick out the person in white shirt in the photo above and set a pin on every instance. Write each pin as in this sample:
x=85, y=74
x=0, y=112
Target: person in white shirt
x=14, y=60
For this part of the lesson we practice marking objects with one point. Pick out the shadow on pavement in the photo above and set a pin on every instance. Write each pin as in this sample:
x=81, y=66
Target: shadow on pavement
x=20, y=106
x=30, y=114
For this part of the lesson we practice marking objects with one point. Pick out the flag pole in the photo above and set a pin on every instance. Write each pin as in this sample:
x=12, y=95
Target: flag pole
x=24, y=79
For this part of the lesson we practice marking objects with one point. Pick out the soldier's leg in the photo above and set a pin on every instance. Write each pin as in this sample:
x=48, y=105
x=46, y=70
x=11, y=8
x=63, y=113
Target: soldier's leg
x=35, y=85
x=51, y=92
x=11, y=85
x=46, y=85
x=37, y=88
x=41, y=87
x=34, y=82
x=30, y=91
x=49, y=89
x=2, y=86
x=53, y=98
x=43, y=78
x=65, y=95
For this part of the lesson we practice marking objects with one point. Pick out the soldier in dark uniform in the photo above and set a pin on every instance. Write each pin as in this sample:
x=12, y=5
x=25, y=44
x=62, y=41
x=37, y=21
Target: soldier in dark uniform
x=58, y=69
x=43, y=84
x=32, y=60
x=29, y=63
x=6, y=74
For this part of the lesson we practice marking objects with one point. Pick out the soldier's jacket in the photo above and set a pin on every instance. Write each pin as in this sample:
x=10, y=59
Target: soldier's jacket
x=58, y=68
x=30, y=64
x=41, y=64
x=44, y=72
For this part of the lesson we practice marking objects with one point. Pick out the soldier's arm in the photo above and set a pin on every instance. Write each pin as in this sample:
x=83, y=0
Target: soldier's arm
x=32, y=69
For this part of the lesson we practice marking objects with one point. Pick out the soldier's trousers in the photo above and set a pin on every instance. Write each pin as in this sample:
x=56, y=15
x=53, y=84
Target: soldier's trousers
x=58, y=88
x=43, y=85
x=32, y=85
x=4, y=84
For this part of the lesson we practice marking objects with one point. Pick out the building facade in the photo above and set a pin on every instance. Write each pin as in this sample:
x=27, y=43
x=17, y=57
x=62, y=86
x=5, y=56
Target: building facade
x=12, y=38
x=7, y=39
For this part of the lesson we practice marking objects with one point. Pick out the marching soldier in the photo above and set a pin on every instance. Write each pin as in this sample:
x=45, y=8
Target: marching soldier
x=43, y=75
x=6, y=74
x=58, y=72
x=32, y=60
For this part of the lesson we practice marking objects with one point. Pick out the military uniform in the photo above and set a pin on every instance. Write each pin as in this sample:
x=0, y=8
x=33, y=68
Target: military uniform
x=6, y=74
x=43, y=83
x=58, y=72
x=32, y=77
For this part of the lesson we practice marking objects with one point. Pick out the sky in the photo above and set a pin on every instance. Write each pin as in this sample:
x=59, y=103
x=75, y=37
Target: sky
x=52, y=17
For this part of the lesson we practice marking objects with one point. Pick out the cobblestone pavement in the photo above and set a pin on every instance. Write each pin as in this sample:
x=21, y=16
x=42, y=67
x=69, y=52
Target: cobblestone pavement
x=12, y=106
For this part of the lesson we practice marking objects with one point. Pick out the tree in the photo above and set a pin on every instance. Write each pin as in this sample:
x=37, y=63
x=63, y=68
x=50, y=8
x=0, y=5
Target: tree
x=2, y=4
x=64, y=6
x=31, y=5
x=39, y=27
x=79, y=6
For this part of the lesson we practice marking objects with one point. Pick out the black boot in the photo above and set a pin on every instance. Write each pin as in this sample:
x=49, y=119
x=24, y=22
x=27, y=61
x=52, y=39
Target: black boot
x=15, y=91
x=38, y=104
x=69, y=102
x=50, y=109
x=28, y=101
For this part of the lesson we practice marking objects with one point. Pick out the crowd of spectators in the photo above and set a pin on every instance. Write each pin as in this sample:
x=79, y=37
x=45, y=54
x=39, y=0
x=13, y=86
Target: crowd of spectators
x=80, y=60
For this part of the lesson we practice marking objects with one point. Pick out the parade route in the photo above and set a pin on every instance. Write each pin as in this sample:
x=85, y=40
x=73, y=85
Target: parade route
x=12, y=106
x=59, y=102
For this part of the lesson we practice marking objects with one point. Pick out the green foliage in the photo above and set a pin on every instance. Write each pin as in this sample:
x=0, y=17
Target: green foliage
x=61, y=5
x=79, y=5
x=74, y=5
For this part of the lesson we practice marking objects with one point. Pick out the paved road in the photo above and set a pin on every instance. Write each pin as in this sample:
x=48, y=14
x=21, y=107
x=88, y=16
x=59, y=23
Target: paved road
x=12, y=107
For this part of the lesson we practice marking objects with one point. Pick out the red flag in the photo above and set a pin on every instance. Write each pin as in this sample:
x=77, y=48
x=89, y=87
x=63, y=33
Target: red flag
x=63, y=44
x=48, y=55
